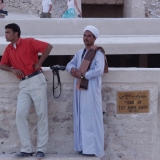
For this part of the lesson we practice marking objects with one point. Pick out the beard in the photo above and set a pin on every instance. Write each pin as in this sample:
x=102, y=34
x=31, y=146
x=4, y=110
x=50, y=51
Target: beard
x=88, y=44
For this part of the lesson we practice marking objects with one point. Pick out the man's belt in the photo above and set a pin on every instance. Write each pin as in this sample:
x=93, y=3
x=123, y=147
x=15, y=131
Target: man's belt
x=31, y=75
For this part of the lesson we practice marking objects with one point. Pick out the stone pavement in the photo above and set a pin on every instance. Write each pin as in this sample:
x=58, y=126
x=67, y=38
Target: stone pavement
x=50, y=157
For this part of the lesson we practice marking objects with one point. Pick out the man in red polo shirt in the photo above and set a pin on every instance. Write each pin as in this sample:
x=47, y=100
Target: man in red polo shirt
x=21, y=58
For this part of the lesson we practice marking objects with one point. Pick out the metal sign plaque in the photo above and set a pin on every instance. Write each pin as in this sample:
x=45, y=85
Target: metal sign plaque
x=133, y=102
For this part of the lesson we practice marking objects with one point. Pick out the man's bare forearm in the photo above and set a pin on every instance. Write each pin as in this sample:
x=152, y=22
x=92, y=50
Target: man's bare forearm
x=5, y=67
x=43, y=57
x=45, y=54
x=50, y=8
x=17, y=72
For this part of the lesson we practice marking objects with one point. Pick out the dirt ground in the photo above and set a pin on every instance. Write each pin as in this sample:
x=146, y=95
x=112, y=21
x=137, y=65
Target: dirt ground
x=16, y=15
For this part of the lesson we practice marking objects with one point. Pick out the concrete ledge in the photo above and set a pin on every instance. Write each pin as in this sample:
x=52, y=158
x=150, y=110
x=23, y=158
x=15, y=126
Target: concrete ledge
x=50, y=157
x=117, y=36
x=112, y=44
x=125, y=75
x=107, y=26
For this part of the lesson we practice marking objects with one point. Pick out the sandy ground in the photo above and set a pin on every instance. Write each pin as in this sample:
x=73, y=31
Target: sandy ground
x=15, y=15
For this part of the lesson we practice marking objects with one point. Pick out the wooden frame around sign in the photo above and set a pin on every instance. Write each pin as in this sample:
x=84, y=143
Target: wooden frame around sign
x=133, y=102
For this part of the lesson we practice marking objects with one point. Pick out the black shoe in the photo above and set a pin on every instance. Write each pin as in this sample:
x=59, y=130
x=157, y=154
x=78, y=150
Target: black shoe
x=23, y=154
x=81, y=153
x=40, y=154
x=88, y=155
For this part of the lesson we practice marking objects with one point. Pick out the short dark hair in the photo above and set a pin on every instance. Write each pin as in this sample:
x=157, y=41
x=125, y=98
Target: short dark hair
x=14, y=27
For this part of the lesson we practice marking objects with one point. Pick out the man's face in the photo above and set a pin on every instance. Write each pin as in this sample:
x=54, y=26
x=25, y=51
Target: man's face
x=88, y=38
x=10, y=35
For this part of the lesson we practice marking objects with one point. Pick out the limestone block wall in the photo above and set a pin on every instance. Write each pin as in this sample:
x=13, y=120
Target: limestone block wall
x=134, y=9
x=127, y=136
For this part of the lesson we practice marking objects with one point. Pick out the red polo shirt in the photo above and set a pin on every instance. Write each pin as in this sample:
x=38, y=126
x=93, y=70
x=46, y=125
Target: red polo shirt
x=25, y=55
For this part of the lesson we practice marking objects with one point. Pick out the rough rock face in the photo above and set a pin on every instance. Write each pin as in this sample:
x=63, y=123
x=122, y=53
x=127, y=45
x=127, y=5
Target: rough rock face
x=34, y=6
x=152, y=7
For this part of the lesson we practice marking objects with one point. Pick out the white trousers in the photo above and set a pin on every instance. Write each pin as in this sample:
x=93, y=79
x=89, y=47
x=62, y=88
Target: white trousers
x=32, y=91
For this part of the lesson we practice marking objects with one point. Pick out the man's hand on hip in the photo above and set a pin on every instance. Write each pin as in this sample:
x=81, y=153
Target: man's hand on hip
x=17, y=72
x=37, y=66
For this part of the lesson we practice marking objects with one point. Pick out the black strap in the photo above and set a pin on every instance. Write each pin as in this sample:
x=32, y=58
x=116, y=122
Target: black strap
x=56, y=72
x=83, y=53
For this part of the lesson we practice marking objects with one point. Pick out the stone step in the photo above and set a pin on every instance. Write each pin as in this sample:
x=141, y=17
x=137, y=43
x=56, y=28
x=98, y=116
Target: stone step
x=117, y=36
x=106, y=26
x=50, y=157
x=113, y=45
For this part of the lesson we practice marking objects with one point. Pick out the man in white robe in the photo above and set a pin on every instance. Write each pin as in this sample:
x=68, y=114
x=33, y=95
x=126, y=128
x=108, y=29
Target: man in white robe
x=87, y=103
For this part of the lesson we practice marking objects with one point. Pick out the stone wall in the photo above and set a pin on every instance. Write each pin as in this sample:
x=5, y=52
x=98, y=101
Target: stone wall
x=127, y=136
x=133, y=9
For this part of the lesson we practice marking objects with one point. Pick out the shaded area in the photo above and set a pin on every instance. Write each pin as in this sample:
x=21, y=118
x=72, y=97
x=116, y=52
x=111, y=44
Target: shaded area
x=56, y=60
x=154, y=61
x=102, y=11
x=131, y=60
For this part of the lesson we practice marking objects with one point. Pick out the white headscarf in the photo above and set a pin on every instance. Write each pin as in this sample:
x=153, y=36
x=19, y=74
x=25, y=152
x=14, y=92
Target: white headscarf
x=92, y=29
